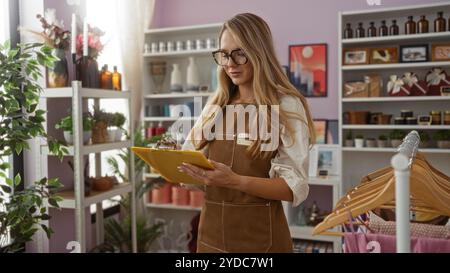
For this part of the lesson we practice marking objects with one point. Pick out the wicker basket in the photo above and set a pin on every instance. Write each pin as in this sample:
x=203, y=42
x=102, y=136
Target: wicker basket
x=359, y=117
x=356, y=89
x=100, y=132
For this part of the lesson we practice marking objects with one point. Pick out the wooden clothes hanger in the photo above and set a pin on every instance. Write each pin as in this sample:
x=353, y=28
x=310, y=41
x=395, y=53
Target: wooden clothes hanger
x=429, y=191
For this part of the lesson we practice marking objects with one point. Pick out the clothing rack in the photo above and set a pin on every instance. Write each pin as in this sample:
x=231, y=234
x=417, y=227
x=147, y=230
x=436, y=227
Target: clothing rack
x=401, y=162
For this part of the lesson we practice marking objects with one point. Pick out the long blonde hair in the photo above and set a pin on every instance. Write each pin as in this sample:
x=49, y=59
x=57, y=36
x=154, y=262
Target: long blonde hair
x=270, y=82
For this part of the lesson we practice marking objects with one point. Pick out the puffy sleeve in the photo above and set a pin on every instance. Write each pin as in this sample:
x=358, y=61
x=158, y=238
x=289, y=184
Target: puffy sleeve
x=292, y=160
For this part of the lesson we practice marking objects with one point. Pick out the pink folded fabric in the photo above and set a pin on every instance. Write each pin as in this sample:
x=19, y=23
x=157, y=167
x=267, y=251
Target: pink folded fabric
x=357, y=242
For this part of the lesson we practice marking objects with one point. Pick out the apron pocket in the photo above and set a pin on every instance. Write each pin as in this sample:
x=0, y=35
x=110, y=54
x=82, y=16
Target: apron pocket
x=210, y=231
x=247, y=227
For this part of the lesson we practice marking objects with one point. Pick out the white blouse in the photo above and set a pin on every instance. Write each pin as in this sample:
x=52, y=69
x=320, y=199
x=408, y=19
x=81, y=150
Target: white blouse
x=291, y=160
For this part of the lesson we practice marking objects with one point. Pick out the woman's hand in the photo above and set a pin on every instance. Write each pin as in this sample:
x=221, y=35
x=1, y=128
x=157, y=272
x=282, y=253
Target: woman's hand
x=221, y=176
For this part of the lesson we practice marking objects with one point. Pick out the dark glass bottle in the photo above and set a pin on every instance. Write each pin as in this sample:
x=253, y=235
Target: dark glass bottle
x=410, y=26
x=422, y=25
x=439, y=23
x=348, y=31
x=394, y=29
x=372, y=30
x=360, y=32
x=383, y=30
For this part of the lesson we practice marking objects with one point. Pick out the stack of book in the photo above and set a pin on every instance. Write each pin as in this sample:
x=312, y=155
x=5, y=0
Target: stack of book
x=302, y=246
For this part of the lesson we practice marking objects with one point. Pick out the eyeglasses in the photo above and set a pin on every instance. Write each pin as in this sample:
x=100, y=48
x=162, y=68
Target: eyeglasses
x=236, y=55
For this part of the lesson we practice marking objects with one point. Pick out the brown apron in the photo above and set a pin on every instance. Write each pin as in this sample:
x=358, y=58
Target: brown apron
x=233, y=221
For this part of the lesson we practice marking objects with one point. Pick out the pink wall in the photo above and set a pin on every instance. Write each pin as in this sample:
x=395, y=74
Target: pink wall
x=291, y=21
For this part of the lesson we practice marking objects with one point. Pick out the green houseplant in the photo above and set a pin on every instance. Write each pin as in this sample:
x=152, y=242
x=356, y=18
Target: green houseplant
x=359, y=141
x=349, y=139
x=22, y=210
x=424, y=139
x=102, y=120
x=66, y=124
x=442, y=138
x=382, y=141
x=118, y=231
x=397, y=137
x=116, y=131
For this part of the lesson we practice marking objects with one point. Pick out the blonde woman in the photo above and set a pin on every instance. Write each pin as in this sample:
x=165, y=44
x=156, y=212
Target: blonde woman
x=243, y=210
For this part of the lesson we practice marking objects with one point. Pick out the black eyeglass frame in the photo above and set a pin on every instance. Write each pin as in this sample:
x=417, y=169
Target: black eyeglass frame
x=228, y=56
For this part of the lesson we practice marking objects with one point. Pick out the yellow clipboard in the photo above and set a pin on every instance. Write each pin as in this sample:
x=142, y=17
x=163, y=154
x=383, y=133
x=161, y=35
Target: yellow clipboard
x=166, y=162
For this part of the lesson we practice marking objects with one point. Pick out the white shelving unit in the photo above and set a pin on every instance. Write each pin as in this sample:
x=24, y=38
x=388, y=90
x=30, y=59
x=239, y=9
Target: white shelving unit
x=305, y=232
x=357, y=162
x=75, y=199
x=205, y=64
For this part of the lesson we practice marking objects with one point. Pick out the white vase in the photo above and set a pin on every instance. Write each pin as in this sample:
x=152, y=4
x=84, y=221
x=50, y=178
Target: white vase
x=175, y=79
x=69, y=137
x=359, y=142
x=119, y=134
x=112, y=135
x=192, y=80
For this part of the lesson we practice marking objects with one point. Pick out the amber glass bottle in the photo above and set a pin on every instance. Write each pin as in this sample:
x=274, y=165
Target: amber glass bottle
x=116, y=80
x=410, y=26
x=383, y=30
x=105, y=78
x=348, y=31
x=360, y=32
x=422, y=25
x=372, y=30
x=439, y=23
x=394, y=29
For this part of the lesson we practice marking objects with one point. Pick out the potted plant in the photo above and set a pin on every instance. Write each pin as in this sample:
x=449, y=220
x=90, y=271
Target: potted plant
x=66, y=124
x=382, y=141
x=23, y=210
x=349, y=139
x=359, y=141
x=102, y=120
x=396, y=137
x=424, y=139
x=442, y=138
x=371, y=142
x=116, y=129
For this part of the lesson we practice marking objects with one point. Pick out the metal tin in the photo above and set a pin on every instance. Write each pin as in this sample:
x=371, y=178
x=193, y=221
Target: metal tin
x=399, y=120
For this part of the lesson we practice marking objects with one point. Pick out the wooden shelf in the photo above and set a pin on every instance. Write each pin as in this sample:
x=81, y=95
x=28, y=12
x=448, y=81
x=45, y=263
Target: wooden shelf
x=94, y=197
x=395, y=126
x=394, y=66
x=171, y=206
x=174, y=95
x=92, y=149
x=398, y=99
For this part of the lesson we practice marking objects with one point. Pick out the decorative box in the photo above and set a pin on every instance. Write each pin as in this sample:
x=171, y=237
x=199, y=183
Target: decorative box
x=436, y=79
x=356, y=89
x=414, y=85
x=395, y=87
x=375, y=84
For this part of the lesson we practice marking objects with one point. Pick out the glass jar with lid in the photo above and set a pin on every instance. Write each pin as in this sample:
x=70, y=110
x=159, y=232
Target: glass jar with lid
x=447, y=117
x=435, y=117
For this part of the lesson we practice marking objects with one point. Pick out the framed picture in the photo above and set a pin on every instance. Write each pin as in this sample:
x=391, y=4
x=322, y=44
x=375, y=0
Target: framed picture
x=308, y=69
x=440, y=52
x=413, y=53
x=321, y=129
x=332, y=131
x=355, y=56
x=324, y=158
x=384, y=55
